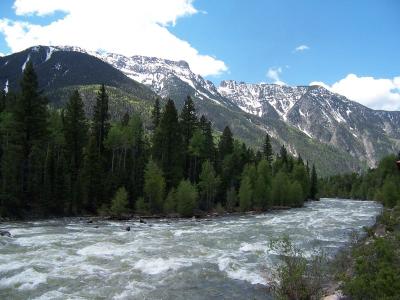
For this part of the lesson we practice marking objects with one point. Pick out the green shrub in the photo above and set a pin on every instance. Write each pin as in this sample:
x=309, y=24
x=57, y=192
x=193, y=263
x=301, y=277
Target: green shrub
x=297, y=277
x=186, y=196
x=170, y=204
x=119, y=203
x=142, y=207
x=377, y=271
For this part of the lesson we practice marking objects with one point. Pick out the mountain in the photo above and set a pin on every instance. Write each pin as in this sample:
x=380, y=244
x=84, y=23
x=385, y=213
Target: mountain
x=251, y=110
x=322, y=115
x=58, y=69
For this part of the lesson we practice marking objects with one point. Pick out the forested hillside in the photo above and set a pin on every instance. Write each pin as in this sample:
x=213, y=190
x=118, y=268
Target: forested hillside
x=380, y=184
x=60, y=162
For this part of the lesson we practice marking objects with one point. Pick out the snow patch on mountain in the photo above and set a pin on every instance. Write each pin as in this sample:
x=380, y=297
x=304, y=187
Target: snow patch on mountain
x=26, y=61
x=50, y=51
x=6, y=87
x=253, y=97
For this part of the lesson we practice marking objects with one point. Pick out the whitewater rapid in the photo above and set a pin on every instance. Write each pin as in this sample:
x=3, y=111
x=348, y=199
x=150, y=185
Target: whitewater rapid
x=220, y=258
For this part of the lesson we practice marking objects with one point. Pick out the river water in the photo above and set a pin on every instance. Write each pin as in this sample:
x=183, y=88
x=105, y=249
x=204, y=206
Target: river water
x=221, y=258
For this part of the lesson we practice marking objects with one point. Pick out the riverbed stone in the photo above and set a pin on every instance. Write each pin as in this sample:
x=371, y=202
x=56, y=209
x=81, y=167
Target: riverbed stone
x=5, y=233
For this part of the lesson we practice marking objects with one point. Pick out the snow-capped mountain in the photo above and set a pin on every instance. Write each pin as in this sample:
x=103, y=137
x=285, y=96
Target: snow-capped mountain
x=165, y=77
x=258, y=99
x=309, y=120
x=322, y=115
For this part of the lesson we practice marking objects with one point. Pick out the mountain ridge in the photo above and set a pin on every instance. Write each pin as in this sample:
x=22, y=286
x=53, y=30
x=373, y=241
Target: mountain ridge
x=291, y=115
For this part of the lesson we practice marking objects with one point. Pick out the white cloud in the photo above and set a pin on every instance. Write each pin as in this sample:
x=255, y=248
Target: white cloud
x=129, y=27
x=275, y=74
x=376, y=93
x=301, y=48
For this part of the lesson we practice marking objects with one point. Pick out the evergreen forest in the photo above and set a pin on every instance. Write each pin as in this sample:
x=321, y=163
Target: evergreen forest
x=61, y=162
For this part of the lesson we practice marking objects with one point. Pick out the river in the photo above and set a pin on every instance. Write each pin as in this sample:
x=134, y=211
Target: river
x=220, y=258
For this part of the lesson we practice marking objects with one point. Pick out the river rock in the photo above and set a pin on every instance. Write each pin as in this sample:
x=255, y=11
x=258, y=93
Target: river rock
x=128, y=228
x=380, y=230
x=5, y=233
x=338, y=295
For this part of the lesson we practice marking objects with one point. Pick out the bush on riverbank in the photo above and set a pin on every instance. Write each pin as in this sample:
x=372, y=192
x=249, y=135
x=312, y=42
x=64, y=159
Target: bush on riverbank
x=375, y=273
x=297, y=277
x=119, y=204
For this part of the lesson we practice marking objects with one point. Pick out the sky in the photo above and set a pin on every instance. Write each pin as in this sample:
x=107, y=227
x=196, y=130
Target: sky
x=350, y=47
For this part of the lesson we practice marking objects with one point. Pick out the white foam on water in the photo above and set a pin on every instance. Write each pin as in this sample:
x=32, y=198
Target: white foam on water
x=26, y=280
x=160, y=265
x=236, y=271
x=179, y=232
x=105, y=249
x=256, y=247
x=51, y=296
x=134, y=288
x=10, y=266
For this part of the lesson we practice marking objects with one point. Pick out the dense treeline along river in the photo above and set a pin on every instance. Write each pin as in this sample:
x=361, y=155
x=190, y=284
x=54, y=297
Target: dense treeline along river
x=222, y=258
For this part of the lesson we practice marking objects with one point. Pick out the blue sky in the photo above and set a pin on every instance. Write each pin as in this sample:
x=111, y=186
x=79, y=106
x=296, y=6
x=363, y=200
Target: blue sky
x=361, y=37
x=350, y=45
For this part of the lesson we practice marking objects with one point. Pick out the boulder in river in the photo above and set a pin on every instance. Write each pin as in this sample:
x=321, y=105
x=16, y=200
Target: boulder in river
x=128, y=228
x=5, y=233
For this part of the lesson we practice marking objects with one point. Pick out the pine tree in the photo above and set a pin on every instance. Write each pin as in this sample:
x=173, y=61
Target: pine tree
x=299, y=174
x=283, y=154
x=188, y=121
x=138, y=155
x=313, y=184
x=209, y=151
x=76, y=135
x=167, y=145
x=156, y=114
x=188, y=124
x=55, y=186
x=225, y=145
x=101, y=119
x=30, y=112
x=267, y=150
x=93, y=178
x=10, y=204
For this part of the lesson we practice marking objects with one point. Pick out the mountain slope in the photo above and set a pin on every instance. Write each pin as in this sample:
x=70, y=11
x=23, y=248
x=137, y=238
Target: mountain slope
x=250, y=116
x=57, y=69
x=322, y=115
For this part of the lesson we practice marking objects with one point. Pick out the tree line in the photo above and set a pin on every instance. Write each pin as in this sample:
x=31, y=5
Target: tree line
x=381, y=183
x=59, y=162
